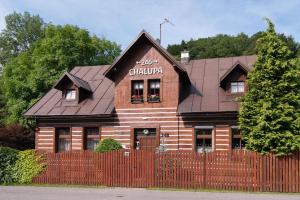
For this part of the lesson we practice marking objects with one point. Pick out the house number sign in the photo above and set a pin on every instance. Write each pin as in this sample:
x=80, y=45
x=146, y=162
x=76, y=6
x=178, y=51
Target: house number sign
x=146, y=69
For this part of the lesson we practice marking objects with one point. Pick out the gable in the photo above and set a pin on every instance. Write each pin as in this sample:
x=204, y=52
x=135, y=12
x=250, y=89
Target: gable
x=237, y=68
x=142, y=39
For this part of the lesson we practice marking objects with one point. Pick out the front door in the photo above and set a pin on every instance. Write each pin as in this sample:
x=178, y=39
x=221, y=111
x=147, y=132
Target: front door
x=145, y=138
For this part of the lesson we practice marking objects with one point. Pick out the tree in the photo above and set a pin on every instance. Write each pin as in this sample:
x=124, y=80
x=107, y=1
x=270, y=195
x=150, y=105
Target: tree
x=21, y=31
x=33, y=72
x=269, y=117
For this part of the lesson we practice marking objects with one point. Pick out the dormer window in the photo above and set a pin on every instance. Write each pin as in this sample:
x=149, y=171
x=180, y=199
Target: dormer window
x=237, y=87
x=71, y=94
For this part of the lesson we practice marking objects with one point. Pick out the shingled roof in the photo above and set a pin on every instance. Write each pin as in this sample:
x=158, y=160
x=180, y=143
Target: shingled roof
x=206, y=95
x=90, y=77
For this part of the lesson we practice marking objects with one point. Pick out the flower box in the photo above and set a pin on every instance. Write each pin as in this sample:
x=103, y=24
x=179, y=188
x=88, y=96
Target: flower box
x=154, y=98
x=137, y=99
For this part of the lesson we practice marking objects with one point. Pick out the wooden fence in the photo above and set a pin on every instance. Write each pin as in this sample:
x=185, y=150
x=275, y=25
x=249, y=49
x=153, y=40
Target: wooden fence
x=233, y=170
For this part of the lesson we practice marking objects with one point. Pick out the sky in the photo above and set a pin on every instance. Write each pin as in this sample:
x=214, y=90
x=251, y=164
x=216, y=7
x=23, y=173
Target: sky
x=122, y=20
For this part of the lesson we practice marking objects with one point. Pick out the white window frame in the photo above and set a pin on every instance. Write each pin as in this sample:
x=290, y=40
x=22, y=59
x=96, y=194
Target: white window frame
x=71, y=94
x=237, y=87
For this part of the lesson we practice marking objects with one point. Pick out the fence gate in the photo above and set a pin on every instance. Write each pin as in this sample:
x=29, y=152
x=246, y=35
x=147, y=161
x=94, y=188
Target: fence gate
x=129, y=168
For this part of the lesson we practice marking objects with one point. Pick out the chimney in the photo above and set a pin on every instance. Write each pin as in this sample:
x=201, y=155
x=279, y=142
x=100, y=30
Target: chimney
x=185, y=56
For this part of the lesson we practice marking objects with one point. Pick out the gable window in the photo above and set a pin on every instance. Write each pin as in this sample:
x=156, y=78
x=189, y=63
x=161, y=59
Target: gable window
x=137, y=91
x=71, y=94
x=63, y=139
x=237, y=142
x=237, y=87
x=154, y=90
x=91, y=135
x=203, y=138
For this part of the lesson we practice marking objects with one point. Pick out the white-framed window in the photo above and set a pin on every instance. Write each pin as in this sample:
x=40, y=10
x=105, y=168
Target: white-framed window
x=70, y=94
x=237, y=87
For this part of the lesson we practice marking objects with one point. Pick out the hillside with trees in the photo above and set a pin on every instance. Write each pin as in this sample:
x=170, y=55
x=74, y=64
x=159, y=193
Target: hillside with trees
x=223, y=45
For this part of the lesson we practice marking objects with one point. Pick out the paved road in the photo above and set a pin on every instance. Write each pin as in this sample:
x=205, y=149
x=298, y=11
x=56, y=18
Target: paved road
x=55, y=193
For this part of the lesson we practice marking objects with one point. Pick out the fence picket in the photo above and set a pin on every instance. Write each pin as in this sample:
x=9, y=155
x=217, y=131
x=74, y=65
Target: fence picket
x=236, y=170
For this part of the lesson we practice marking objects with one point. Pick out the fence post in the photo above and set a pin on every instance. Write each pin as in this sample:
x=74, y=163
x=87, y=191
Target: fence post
x=204, y=169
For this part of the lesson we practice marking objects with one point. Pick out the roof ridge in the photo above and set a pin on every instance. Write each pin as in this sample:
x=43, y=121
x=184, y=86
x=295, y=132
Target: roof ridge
x=229, y=57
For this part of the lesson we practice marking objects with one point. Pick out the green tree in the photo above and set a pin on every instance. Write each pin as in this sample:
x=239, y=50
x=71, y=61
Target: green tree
x=33, y=72
x=270, y=112
x=21, y=31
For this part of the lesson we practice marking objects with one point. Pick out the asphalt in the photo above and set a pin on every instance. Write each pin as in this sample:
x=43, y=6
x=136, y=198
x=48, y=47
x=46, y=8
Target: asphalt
x=76, y=193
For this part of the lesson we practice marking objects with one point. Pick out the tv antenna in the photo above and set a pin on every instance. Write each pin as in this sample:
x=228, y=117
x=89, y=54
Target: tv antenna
x=165, y=21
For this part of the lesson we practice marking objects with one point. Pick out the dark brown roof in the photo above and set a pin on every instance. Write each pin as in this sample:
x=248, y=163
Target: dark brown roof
x=101, y=102
x=206, y=95
x=144, y=35
x=77, y=81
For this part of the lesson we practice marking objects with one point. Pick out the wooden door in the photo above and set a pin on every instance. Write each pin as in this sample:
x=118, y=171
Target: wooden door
x=148, y=142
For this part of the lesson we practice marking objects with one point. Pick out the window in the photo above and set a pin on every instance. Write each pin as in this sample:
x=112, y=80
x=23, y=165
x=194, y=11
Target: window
x=71, y=94
x=237, y=87
x=237, y=142
x=91, y=138
x=203, y=139
x=63, y=139
x=137, y=91
x=154, y=90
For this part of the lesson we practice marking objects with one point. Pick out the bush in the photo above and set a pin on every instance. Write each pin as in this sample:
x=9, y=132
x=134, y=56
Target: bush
x=27, y=166
x=8, y=158
x=108, y=144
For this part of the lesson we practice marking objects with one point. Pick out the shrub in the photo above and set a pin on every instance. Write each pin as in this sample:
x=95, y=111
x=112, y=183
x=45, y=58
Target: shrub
x=28, y=165
x=8, y=158
x=108, y=144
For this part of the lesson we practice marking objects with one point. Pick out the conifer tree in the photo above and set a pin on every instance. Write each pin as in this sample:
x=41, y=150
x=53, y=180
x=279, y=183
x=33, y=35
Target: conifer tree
x=269, y=117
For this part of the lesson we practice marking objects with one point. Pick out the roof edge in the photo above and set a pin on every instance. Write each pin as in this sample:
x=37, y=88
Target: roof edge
x=155, y=43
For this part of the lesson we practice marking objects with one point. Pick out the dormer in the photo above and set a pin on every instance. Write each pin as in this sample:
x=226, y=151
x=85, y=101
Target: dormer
x=233, y=81
x=74, y=90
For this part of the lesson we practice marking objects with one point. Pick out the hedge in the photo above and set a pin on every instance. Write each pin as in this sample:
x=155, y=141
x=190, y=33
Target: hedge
x=8, y=158
x=19, y=166
x=27, y=166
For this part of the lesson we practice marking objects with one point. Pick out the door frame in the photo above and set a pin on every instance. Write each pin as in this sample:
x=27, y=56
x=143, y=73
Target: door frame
x=156, y=126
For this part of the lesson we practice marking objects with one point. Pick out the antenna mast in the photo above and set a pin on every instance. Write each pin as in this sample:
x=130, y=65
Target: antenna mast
x=165, y=21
